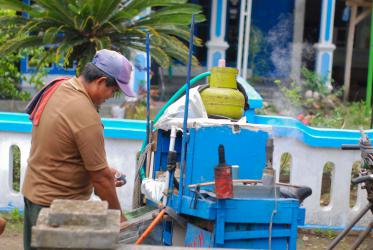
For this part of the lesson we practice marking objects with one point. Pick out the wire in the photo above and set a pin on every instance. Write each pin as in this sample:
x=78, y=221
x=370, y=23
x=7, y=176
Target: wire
x=274, y=212
x=141, y=160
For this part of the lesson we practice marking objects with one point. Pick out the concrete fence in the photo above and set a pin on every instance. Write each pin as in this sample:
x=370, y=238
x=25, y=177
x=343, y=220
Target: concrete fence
x=310, y=150
x=123, y=140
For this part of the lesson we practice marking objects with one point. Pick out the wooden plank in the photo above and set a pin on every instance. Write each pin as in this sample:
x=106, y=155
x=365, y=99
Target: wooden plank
x=350, y=45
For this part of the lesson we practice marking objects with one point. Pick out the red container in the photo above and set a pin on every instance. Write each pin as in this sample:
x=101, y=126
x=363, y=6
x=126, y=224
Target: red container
x=223, y=182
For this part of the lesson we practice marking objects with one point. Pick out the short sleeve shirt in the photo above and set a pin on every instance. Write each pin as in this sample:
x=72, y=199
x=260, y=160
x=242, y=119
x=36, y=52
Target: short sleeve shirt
x=66, y=144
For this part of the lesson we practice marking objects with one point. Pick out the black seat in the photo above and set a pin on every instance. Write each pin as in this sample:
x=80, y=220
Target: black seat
x=300, y=193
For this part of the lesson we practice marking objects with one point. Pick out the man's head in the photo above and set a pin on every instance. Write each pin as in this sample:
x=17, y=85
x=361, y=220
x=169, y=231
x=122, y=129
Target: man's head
x=108, y=73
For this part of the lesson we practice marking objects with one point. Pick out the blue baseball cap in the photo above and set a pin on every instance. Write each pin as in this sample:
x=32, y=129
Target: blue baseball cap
x=117, y=66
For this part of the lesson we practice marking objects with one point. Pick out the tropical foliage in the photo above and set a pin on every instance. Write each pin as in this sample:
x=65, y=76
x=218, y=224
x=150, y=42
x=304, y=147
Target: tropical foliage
x=77, y=28
x=10, y=75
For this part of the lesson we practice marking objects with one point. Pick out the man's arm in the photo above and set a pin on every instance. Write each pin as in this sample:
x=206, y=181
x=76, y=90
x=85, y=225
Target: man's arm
x=104, y=186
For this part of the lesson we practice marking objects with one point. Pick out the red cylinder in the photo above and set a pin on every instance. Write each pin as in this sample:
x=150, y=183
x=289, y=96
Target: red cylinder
x=223, y=182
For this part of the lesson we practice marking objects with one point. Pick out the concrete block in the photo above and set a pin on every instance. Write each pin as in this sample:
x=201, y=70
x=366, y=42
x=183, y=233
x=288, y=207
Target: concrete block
x=75, y=212
x=76, y=234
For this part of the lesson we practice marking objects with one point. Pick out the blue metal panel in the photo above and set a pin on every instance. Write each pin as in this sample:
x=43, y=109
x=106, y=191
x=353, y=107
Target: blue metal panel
x=259, y=243
x=197, y=237
x=255, y=234
x=262, y=212
x=249, y=156
x=204, y=209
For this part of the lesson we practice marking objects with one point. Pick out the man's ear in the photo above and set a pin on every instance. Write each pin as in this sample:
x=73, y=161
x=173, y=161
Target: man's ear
x=101, y=80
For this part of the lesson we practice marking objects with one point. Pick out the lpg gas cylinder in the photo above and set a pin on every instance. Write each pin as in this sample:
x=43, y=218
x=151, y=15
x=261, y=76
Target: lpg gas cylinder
x=221, y=98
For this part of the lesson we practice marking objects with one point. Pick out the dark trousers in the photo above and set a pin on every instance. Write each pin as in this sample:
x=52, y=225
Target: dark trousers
x=31, y=214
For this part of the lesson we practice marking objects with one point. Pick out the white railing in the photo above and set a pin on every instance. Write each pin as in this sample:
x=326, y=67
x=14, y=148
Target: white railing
x=306, y=169
x=121, y=154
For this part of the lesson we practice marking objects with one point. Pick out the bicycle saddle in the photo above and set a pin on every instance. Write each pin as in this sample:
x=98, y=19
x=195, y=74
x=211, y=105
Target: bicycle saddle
x=300, y=193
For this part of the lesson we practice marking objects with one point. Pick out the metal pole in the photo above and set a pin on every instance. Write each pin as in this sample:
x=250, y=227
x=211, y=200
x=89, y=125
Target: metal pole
x=147, y=87
x=240, y=36
x=368, y=100
x=349, y=227
x=362, y=236
x=186, y=107
x=247, y=39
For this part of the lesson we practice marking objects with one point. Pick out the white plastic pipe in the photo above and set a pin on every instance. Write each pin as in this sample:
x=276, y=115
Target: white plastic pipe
x=240, y=35
x=172, y=139
x=247, y=38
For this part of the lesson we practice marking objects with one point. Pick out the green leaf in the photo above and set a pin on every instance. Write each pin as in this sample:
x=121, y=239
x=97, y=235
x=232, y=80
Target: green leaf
x=89, y=25
x=16, y=5
x=16, y=44
x=50, y=34
x=178, y=9
x=178, y=19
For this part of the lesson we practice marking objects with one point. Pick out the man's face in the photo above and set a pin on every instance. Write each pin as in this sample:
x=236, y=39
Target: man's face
x=102, y=92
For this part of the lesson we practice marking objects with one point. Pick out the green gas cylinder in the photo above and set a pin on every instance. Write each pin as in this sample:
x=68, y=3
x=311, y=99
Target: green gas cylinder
x=222, y=98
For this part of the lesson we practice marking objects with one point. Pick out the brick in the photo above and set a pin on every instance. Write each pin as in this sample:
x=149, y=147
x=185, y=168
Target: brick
x=74, y=234
x=75, y=212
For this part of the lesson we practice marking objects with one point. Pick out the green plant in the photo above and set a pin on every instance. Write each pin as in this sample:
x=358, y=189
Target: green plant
x=312, y=81
x=14, y=220
x=318, y=231
x=15, y=216
x=329, y=233
x=78, y=28
x=10, y=76
x=285, y=164
x=347, y=116
x=292, y=92
x=16, y=155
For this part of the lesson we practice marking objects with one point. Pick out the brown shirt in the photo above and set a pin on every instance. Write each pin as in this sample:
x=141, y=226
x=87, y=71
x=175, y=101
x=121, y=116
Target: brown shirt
x=67, y=143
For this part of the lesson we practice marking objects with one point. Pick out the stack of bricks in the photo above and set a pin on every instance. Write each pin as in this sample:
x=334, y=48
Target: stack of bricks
x=71, y=224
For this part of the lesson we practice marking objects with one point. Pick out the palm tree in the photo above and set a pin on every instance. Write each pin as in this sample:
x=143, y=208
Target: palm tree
x=76, y=29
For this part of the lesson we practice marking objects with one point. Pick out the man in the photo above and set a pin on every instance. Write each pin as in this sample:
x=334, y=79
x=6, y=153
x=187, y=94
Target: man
x=67, y=158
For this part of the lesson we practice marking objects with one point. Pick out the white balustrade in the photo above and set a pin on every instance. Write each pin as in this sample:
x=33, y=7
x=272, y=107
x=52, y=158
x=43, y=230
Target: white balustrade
x=121, y=154
x=307, y=169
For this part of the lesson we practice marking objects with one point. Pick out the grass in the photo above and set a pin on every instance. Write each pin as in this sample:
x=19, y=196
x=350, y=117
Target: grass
x=14, y=221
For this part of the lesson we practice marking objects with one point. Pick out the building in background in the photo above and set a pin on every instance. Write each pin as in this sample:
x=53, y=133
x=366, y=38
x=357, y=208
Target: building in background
x=283, y=36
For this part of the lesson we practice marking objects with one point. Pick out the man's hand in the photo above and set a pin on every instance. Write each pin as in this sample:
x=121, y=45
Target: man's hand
x=104, y=186
x=118, y=182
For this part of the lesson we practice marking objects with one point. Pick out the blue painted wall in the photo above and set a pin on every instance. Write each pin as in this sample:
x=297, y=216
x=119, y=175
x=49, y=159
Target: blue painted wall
x=282, y=127
x=266, y=15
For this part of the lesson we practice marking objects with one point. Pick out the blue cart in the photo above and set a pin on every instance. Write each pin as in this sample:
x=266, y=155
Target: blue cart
x=257, y=217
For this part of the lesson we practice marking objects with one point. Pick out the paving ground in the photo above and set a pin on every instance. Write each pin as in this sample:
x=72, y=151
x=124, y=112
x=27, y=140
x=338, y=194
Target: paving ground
x=12, y=240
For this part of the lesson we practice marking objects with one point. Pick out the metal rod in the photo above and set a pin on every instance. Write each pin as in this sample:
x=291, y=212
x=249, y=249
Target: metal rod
x=245, y=181
x=186, y=107
x=240, y=36
x=147, y=87
x=362, y=236
x=349, y=227
x=247, y=39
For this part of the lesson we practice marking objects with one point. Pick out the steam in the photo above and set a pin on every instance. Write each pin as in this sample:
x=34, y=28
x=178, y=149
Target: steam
x=279, y=40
